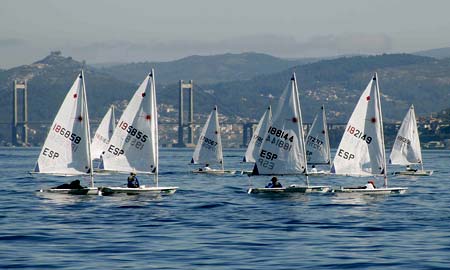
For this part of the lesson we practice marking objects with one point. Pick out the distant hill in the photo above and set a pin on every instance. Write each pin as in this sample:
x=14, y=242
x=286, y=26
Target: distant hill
x=404, y=79
x=440, y=53
x=337, y=83
x=207, y=69
x=48, y=82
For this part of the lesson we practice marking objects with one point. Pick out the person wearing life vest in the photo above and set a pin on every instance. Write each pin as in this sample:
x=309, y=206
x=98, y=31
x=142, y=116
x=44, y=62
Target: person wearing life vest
x=409, y=169
x=133, y=182
x=370, y=185
x=73, y=185
x=274, y=183
x=206, y=168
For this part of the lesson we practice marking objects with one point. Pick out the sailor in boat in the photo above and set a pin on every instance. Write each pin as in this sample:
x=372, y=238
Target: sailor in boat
x=73, y=185
x=133, y=182
x=274, y=183
x=409, y=169
x=206, y=168
x=313, y=169
x=370, y=185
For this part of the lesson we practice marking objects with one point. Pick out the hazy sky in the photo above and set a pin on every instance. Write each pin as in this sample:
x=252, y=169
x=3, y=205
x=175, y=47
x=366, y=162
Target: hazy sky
x=147, y=30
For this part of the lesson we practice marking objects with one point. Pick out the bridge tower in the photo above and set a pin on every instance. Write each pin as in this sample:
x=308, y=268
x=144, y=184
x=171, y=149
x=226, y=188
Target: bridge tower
x=19, y=125
x=181, y=121
x=247, y=133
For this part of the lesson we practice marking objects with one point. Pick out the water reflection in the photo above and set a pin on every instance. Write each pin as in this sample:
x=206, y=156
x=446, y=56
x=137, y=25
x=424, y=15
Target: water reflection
x=136, y=200
x=64, y=199
x=357, y=198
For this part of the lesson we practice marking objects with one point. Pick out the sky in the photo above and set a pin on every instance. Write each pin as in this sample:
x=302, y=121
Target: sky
x=112, y=31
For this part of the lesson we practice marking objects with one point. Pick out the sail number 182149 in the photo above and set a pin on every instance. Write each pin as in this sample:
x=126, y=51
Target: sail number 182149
x=359, y=134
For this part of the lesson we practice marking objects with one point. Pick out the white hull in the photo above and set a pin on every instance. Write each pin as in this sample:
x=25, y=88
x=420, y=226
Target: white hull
x=319, y=173
x=84, y=191
x=290, y=189
x=139, y=190
x=414, y=173
x=110, y=172
x=215, y=171
x=377, y=191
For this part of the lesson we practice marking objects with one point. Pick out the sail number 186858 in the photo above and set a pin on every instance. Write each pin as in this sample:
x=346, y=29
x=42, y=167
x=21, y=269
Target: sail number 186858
x=67, y=134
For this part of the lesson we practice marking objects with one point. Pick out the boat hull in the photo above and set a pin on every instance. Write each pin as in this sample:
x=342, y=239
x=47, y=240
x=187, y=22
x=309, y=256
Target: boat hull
x=319, y=173
x=139, y=190
x=376, y=191
x=414, y=173
x=83, y=191
x=290, y=189
x=215, y=172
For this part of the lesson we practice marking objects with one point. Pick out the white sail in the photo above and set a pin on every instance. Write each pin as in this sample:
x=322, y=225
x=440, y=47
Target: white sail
x=317, y=141
x=283, y=148
x=406, y=149
x=258, y=136
x=103, y=134
x=66, y=150
x=209, y=146
x=134, y=144
x=361, y=151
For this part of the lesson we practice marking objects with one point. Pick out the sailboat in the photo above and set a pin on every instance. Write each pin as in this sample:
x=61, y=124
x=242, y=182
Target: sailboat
x=254, y=146
x=133, y=147
x=318, y=143
x=66, y=151
x=208, y=150
x=361, y=151
x=406, y=150
x=257, y=139
x=103, y=134
x=283, y=149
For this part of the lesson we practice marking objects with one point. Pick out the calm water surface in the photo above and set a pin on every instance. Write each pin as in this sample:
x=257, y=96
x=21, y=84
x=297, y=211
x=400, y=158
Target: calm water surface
x=212, y=223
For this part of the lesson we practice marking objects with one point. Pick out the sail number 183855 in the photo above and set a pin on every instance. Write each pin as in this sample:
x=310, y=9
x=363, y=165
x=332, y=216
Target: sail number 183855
x=133, y=131
x=359, y=134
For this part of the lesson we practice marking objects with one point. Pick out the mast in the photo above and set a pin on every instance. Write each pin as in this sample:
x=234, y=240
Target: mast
x=155, y=126
x=301, y=137
x=417, y=131
x=113, y=116
x=87, y=129
x=218, y=135
x=380, y=116
x=327, y=139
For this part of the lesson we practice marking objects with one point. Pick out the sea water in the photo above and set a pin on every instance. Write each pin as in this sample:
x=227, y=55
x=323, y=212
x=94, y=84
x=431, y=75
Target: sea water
x=212, y=223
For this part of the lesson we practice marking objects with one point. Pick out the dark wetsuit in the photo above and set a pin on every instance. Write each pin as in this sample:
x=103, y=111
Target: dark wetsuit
x=133, y=182
x=274, y=185
x=73, y=185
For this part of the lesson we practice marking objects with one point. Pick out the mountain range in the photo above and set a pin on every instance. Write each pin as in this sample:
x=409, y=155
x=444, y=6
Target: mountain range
x=206, y=69
x=439, y=53
x=242, y=85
